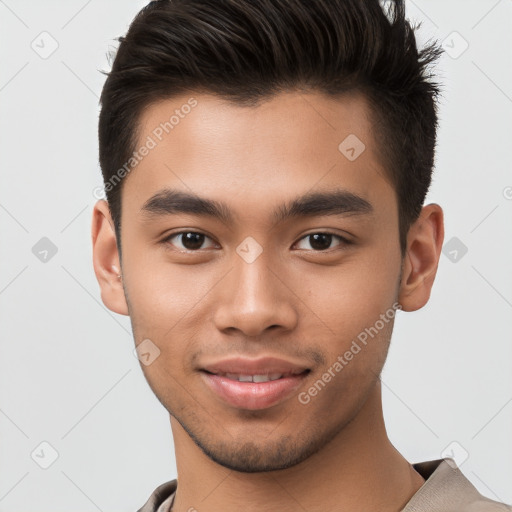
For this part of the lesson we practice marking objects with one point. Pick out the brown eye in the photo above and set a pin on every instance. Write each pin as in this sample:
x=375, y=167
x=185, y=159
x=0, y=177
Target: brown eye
x=188, y=240
x=322, y=241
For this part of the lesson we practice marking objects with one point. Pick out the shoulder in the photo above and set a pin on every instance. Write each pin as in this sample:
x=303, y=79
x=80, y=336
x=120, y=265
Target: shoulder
x=161, y=498
x=446, y=489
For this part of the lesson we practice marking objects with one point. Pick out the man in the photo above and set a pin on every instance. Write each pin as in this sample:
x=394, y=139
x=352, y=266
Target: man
x=237, y=138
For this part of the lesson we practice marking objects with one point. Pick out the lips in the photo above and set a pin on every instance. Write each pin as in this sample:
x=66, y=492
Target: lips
x=261, y=366
x=253, y=383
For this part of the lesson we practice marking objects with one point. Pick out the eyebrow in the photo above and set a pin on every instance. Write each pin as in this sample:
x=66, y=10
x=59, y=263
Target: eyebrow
x=336, y=202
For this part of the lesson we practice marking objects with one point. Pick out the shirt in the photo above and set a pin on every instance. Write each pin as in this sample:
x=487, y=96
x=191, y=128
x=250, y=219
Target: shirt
x=445, y=489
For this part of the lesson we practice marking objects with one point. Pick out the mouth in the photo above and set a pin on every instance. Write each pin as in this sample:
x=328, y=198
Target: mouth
x=263, y=377
x=253, y=384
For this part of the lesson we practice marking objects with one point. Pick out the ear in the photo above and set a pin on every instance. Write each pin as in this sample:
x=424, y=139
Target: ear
x=424, y=244
x=107, y=266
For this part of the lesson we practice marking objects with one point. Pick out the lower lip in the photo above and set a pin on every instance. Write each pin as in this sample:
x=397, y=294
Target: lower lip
x=253, y=395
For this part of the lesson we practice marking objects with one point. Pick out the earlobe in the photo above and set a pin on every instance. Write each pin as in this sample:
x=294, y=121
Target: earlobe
x=106, y=259
x=424, y=244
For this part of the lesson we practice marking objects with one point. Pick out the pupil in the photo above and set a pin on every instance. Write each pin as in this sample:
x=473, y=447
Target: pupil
x=192, y=240
x=320, y=241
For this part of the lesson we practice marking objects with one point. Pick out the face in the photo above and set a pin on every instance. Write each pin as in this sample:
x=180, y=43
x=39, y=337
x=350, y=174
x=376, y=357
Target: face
x=253, y=244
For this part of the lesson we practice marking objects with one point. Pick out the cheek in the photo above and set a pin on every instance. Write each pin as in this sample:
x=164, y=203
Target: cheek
x=353, y=364
x=352, y=296
x=356, y=301
x=162, y=295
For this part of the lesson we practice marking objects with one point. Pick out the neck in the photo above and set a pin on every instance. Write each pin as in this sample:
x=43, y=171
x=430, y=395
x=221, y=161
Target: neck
x=358, y=470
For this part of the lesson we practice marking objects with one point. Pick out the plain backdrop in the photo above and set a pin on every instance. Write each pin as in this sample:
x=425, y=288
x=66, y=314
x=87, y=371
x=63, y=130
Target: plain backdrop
x=72, y=394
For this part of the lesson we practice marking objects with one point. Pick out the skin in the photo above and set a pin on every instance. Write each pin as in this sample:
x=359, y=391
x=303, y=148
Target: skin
x=294, y=301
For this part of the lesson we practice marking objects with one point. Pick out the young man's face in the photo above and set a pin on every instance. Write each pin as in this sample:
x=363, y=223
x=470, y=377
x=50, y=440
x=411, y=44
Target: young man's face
x=251, y=286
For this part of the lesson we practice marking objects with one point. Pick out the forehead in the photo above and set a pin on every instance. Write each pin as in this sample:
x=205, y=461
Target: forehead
x=300, y=119
x=256, y=155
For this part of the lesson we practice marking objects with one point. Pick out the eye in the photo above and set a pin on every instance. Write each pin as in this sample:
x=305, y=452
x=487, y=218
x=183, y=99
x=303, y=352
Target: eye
x=322, y=241
x=189, y=240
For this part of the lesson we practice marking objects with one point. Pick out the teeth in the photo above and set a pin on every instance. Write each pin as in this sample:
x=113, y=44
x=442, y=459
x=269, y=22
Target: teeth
x=260, y=378
x=254, y=378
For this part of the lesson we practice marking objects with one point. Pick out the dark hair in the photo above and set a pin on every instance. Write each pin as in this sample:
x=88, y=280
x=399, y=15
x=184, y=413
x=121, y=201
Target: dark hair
x=249, y=50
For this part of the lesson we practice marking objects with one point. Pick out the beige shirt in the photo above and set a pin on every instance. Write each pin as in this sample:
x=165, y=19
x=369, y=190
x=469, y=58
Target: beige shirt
x=446, y=489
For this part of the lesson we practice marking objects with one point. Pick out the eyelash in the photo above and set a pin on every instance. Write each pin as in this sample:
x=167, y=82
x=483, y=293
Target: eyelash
x=343, y=241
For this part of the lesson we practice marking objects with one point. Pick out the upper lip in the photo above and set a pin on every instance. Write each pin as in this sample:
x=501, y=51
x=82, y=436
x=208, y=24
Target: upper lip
x=260, y=366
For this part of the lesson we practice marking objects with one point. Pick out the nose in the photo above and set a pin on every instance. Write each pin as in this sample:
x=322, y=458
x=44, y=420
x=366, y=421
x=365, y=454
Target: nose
x=254, y=300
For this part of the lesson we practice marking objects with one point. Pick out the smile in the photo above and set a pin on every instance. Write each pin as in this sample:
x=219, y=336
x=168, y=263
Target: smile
x=253, y=392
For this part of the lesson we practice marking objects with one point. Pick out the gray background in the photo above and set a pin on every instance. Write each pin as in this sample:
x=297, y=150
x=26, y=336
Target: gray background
x=68, y=376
